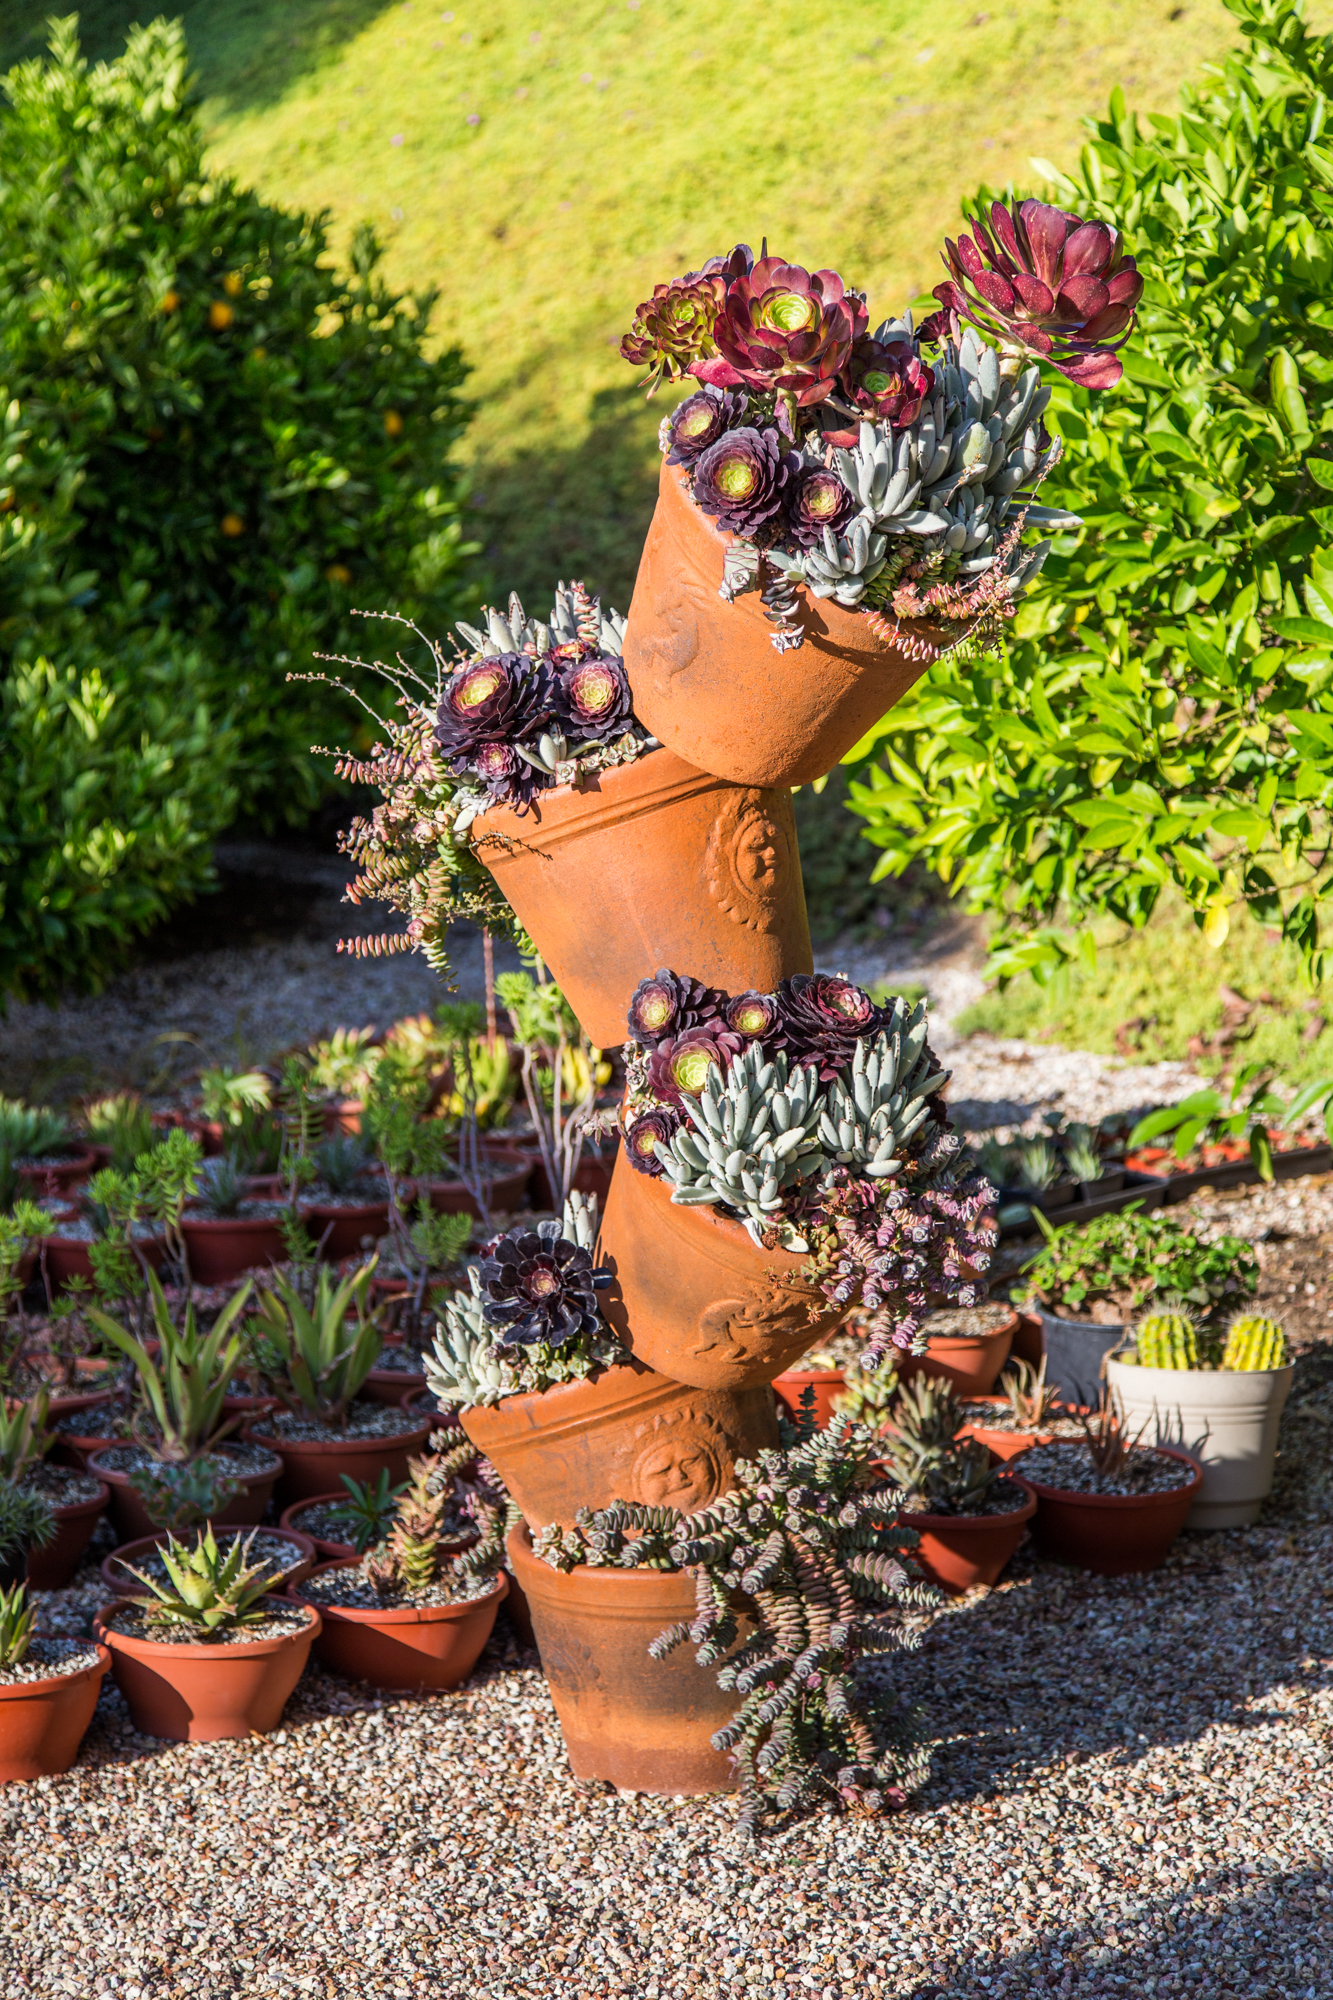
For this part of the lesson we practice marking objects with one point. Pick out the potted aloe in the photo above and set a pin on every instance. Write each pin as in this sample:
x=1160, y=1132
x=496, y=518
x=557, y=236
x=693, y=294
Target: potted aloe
x=209, y=1652
x=1087, y=1282
x=787, y=1157
x=1219, y=1397
x=48, y=1691
x=1109, y=1502
x=969, y=1513
x=25, y=1524
x=228, y=1227
x=1026, y=1413
x=415, y=1610
x=76, y=1499
x=547, y=1393
x=313, y=1341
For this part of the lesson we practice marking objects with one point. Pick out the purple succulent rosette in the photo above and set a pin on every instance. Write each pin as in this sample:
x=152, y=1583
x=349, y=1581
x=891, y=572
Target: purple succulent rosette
x=666, y=1005
x=821, y=1020
x=742, y=479
x=754, y=1015
x=496, y=700
x=679, y=1066
x=700, y=421
x=537, y=1287
x=817, y=503
x=644, y=1133
x=592, y=699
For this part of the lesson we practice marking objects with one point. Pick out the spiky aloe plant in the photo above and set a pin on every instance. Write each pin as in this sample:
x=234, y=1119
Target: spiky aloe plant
x=1167, y=1340
x=939, y=1472
x=1255, y=1342
x=26, y=1520
x=184, y=1388
x=16, y=1622
x=24, y=1438
x=316, y=1356
x=210, y=1592
x=421, y=1542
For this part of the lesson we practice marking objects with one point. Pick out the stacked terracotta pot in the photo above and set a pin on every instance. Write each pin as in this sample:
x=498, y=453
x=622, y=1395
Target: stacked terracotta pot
x=688, y=859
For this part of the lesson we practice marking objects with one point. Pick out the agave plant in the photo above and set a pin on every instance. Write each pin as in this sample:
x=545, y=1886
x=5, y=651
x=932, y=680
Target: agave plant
x=211, y=1592
x=182, y=1391
x=24, y=1438
x=368, y=1509
x=315, y=1356
x=17, y=1617
x=31, y=1132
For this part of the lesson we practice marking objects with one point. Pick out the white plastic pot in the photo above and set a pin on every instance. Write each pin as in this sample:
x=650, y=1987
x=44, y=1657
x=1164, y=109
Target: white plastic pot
x=1225, y=1418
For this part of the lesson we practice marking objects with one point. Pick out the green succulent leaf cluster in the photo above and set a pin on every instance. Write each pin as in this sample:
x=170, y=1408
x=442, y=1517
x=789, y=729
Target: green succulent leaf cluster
x=183, y=1389
x=16, y=1624
x=753, y=1137
x=315, y=1354
x=213, y=1590
x=24, y=1438
x=939, y=1472
x=1128, y=1261
x=876, y=1106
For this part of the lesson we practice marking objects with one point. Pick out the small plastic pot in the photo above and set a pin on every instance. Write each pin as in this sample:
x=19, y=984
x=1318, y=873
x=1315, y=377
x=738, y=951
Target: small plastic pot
x=971, y=1362
x=342, y=1227
x=959, y=1551
x=223, y=1248
x=432, y=1646
x=45, y=1178
x=201, y=1693
x=390, y=1385
x=66, y=1257
x=311, y=1466
x=133, y=1522
x=115, y=1577
x=827, y=1383
x=326, y=1551
x=52, y=1567
x=1113, y=1534
x=1002, y=1444
x=42, y=1723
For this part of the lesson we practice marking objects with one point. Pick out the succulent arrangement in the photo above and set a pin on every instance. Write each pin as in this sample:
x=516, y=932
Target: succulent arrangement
x=806, y=1544
x=17, y=1619
x=892, y=471
x=314, y=1353
x=213, y=1592
x=445, y=1528
x=812, y=1115
x=1175, y=1340
x=939, y=1472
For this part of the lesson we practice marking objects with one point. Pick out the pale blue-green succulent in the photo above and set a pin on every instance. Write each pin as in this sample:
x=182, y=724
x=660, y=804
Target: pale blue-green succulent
x=752, y=1138
x=878, y=1104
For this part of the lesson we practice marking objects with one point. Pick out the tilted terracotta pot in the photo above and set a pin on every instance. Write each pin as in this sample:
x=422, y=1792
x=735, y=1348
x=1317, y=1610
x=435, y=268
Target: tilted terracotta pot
x=132, y=1519
x=311, y=1466
x=1113, y=1534
x=651, y=864
x=42, y=1723
x=971, y=1362
x=642, y=1724
x=958, y=1551
x=404, y=1646
x=52, y=1567
x=623, y=1434
x=694, y=1297
x=708, y=681
x=199, y=1693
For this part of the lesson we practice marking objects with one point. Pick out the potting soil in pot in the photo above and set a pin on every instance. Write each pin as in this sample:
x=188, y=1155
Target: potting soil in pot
x=50, y=1659
x=60, y=1484
x=1004, y=1497
x=352, y=1589
x=280, y=1620
x=967, y=1322
x=989, y=1417
x=326, y=1523
x=403, y=1360
x=244, y=1460
x=364, y=1420
x=1069, y=1469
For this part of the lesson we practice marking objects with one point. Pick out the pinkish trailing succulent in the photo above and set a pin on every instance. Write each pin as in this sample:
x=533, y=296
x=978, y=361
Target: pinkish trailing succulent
x=1044, y=283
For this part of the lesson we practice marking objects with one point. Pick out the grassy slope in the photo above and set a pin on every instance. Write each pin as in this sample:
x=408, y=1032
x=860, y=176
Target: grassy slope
x=619, y=144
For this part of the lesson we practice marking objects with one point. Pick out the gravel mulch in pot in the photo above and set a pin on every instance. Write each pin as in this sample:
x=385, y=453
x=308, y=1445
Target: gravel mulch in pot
x=364, y=1420
x=61, y=1484
x=328, y=1523
x=1003, y=1498
x=235, y=1457
x=49, y=1659
x=402, y=1360
x=137, y=1623
x=350, y=1588
x=991, y=1417
x=269, y=1551
x=967, y=1322
x=81, y=1229
x=99, y=1421
x=252, y=1209
x=1070, y=1468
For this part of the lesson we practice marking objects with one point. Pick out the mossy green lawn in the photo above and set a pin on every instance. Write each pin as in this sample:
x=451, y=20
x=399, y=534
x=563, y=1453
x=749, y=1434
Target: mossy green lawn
x=546, y=168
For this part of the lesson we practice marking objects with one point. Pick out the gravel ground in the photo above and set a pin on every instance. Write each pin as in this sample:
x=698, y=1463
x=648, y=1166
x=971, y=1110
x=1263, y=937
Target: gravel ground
x=1128, y=1796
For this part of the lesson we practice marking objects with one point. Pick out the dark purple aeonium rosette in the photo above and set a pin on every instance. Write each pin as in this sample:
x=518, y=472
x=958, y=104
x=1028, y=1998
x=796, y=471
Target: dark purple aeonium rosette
x=887, y=381
x=506, y=698
x=593, y=699
x=674, y=327
x=538, y=1287
x=821, y=1020
x=700, y=421
x=785, y=330
x=643, y=1134
x=743, y=479
x=668, y=1004
x=753, y=1015
x=678, y=1067
x=816, y=500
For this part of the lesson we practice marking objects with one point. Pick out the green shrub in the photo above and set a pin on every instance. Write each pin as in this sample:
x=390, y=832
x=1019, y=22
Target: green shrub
x=1164, y=714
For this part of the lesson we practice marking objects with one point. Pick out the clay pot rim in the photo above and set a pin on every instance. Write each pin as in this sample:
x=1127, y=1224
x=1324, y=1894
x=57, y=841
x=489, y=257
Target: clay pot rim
x=613, y=1591
x=731, y=1232
x=393, y=1614
x=21, y=1690
x=82, y=1161
x=154, y=1541
x=107, y=1633
x=111, y=1476
x=312, y=1447
x=609, y=784
x=248, y=1225
x=809, y=1374
x=78, y=1400
x=1121, y=1502
x=74, y=1510
x=340, y=1211
x=968, y=1522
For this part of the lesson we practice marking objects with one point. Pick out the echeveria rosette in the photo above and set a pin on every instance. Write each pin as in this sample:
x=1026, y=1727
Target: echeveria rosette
x=888, y=383
x=537, y=1287
x=667, y=1004
x=643, y=1133
x=700, y=421
x=754, y=1015
x=785, y=331
x=743, y=478
x=816, y=500
x=821, y=1019
x=1046, y=283
x=593, y=699
x=679, y=1066
x=674, y=328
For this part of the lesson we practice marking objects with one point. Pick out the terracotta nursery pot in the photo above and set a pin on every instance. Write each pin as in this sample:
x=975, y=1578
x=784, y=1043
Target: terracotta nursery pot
x=1002, y=1444
x=1113, y=1534
x=511, y=1169
x=341, y=1228
x=694, y=1298
x=44, y=1178
x=311, y=1466
x=1225, y=1418
x=623, y=1434
x=404, y=1646
x=132, y=1520
x=304, y=1548
x=710, y=684
x=198, y=1692
x=42, y=1723
x=641, y=1724
x=971, y=1363
x=73, y=1447
x=52, y=1567
x=958, y=1551
x=66, y=1258
x=290, y=1523
x=390, y=1385
x=827, y=1383
x=223, y=1248
x=651, y=864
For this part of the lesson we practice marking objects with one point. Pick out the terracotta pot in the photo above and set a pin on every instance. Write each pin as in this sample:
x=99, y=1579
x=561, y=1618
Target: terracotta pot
x=644, y=1725
x=47, y=1177
x=827, y=1384
x=311, y=1466
x=326, y=1551
x=223, y=1248
x=972, y=1365
x=341, y=1228
x=52, y=1567
x=66, y=1258
x=200, y=1693
x=208, y=1131
x=623, y=1434
x=342, y=1118
x=77, y=1447
x=709, y=683
x=248, y=1406
x=509, y=1185
x=432, y=1646
x=42, y=1723
x=131, y=1518
x=695, y=1299
x=1113, y=1534
x=124, y=1585
x=958, y=1551
x=1002, y=1444
x=598, y=883
x=391, y=1385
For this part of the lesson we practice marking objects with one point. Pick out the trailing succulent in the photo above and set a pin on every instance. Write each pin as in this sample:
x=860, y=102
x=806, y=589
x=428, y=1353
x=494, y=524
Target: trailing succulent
x=812, y=1115
x=529, y=705
x=528, y=1318
x=789, y=1568
x=891, y=471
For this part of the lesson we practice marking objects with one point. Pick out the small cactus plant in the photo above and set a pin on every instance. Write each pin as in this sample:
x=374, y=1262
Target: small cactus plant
x=1167, y=1340
x=1255, y=1342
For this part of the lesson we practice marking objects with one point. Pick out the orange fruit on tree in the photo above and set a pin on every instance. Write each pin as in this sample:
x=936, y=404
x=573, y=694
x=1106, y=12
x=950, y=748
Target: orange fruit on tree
x=233, y=525
x=393, y=423
x=220, y=315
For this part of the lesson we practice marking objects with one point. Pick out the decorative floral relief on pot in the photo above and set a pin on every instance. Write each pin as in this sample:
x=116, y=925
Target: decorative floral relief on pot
x=748, y=863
